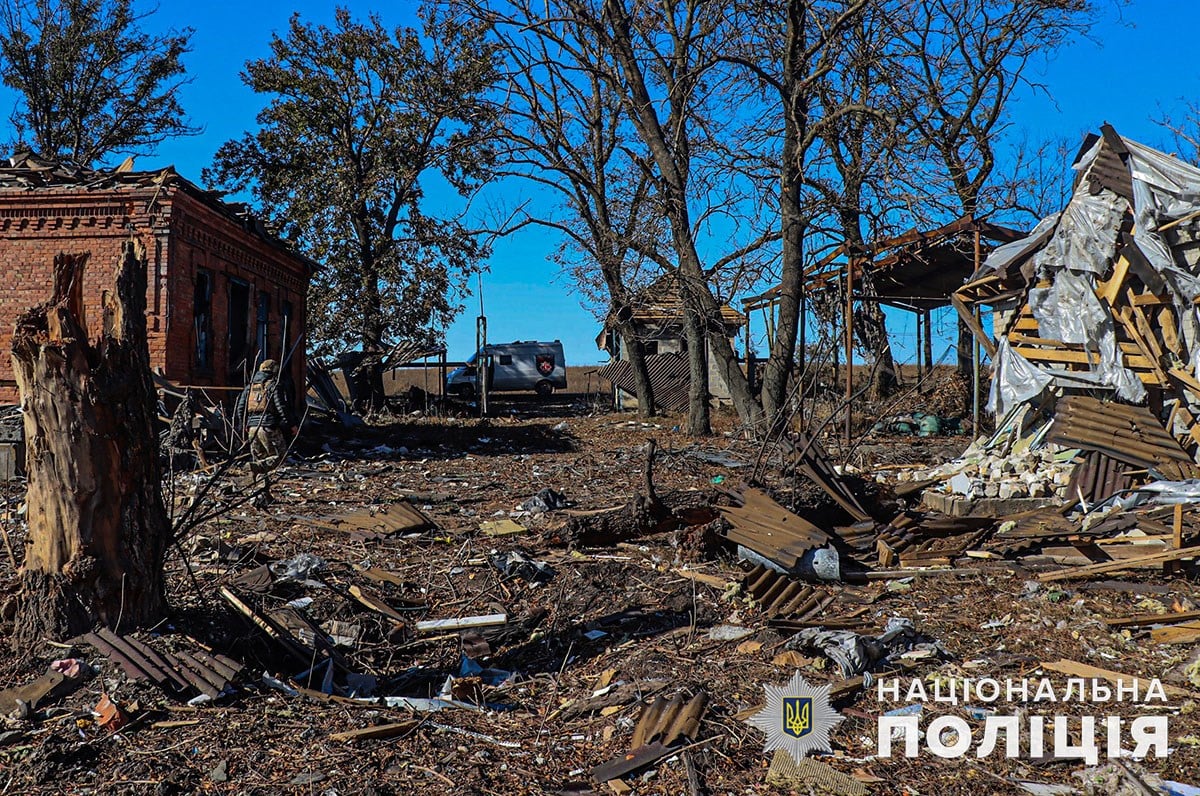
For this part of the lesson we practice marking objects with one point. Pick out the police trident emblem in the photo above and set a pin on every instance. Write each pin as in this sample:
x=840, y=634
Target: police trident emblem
x=797, y=718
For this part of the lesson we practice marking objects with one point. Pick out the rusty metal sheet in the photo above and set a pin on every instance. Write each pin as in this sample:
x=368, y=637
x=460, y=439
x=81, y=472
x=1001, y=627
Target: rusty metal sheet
x=1129, y=434
x=782, y=597
x=769, y=529
x=663, y=726
x=182, y=675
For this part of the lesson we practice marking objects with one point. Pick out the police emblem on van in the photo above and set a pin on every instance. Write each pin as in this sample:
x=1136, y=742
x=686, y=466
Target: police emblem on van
x=545, y=364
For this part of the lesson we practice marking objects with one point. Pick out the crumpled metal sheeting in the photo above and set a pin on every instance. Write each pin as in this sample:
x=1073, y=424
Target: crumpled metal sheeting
x=855, y=654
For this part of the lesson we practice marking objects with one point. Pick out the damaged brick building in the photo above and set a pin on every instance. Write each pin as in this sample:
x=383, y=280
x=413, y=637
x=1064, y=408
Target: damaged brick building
x=223, y=293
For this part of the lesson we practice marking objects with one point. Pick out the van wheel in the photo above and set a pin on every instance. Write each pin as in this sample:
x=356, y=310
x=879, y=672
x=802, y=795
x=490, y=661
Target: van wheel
x=544, y=388
x=465, y=392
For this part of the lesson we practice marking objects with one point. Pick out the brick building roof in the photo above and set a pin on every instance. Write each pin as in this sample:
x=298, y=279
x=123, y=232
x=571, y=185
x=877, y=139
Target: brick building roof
x=26, y=171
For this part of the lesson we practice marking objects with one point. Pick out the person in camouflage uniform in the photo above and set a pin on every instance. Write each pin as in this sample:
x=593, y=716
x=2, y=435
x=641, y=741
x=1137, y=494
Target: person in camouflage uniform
x=265, y=414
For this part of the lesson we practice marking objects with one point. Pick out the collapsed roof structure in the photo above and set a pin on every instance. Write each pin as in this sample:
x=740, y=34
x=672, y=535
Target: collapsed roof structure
x=1101, y=297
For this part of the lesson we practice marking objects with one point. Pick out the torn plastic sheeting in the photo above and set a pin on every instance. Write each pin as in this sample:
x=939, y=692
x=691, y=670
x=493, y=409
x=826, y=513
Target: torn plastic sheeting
x=1015, y=381
x=1175, y=184
x=470, y=668
x=1064, y=312
x=424, y=704
x=1086, y=236
x=855, y=654
x=518, y=563
x=1003, y=257
x=1162, y=493
x=300, y=567
x=546, y=500
x=819, y=563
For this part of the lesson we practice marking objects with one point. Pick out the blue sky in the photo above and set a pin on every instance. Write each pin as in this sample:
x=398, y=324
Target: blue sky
x=1139, y=66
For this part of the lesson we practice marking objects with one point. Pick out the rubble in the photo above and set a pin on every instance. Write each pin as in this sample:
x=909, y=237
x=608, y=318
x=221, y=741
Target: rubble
x=398, y=618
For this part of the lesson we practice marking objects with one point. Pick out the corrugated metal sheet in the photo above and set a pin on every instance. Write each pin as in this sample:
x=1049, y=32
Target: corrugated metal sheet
x=406, y=352
x=769, y=529
x=1098, y=477
x=781, y=597
x=1130, y=434
x=181, y=674
x=669, y=720
x=669, y=378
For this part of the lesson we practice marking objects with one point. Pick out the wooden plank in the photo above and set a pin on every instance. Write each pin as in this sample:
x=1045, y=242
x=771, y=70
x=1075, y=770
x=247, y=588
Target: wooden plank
x=972, y=323
x=1169, y=330
x=1078, y=357
x=1186, y=380
x=378, y=731
x=1179, y=634
x=375, y=603
x=1190, y=421
x=1021, y=339
x=1113, y=566
x=1140, y=620
x=1110, y=289
x=1077, y=669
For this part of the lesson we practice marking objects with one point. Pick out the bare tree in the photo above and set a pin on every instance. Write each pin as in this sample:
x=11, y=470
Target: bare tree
x=967, y=58
x=568, y=133
x=666, y=74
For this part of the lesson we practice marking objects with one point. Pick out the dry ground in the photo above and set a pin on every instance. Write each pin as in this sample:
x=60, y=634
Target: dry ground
x=655, y=625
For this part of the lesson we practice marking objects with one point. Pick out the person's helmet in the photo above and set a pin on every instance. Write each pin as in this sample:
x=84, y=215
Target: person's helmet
x=269, y=366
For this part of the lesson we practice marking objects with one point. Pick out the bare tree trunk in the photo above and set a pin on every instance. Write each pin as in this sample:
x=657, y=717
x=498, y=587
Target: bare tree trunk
x=870, y=326
x=965, y=341
x=699, y=424
x=791, y=283
x=635, y=351
x=97, y=526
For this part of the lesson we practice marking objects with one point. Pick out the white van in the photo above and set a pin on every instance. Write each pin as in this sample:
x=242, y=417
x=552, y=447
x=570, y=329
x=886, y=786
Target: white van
x=512, y=367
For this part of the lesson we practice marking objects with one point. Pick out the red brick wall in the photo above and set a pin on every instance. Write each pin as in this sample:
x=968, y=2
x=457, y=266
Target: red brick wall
x=182, y=234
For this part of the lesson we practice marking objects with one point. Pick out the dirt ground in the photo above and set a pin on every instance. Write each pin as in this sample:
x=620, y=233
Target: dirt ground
x=639, y=615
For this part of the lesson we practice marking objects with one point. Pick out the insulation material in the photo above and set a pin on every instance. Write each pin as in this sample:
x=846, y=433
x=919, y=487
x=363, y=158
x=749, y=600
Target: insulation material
x=1014, y=380
x=1086, y=236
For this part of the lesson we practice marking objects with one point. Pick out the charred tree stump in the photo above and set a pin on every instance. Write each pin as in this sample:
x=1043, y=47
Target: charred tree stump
x=98, y=529
x=644, y=514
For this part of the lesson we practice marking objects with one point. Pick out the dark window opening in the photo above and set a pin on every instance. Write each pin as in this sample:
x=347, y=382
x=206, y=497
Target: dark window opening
x=239, y=326
x=506, y=359
x=261, y=335
x=202, y=320
x=650, y=347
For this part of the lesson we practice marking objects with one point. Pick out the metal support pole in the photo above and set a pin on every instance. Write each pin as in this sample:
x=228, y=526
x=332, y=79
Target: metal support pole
x=928, y=343
x=975, y=354
x=803, y=370
x=849, y=323
x=749, y=358
x=975, y=368
x=481, y=364
x=920, y=361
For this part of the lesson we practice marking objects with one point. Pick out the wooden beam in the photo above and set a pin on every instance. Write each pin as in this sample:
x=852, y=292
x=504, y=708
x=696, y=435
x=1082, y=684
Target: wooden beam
x=976, y=328
x=1113, y=566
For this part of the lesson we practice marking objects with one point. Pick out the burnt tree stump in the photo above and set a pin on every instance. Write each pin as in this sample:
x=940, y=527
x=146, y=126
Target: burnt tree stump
x=98, y=529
